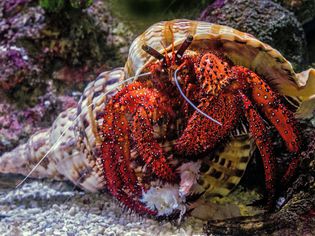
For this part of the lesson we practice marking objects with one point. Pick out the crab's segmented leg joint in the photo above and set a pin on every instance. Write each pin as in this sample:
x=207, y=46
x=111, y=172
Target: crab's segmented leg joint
x=291, y=170
x=122, y=151
x=259, y=131
x=198, y=135
x=269, y=103
x=146, y=106
x=150, y=150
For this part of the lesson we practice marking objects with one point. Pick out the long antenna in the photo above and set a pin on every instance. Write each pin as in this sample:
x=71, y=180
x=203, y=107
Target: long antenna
x=190, y=102
x=67, y=128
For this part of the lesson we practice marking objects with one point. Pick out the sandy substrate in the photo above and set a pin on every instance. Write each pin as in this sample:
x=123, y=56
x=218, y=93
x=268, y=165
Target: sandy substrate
x=54, y=208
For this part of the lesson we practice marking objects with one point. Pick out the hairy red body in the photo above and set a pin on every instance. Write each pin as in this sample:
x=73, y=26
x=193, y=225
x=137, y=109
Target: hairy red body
x=224, y=92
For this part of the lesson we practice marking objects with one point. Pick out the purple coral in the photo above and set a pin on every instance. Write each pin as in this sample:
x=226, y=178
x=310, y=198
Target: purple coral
x=22, y=24
x=17, y=21
x=10, y=5
x=215, y=5
x=14, y=66
x=17, y=57
x=17, y=125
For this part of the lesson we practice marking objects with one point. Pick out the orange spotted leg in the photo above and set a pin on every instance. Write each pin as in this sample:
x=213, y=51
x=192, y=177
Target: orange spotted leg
x=147, y=105
x=120, y=179
x=269, y=103
x=260, y=133
x=202, y=134
x=115, y=184
x=150, y=150
x=122, y=151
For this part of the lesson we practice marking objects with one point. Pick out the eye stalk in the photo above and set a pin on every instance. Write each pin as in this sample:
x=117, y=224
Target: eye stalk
x=175, y=65
x=153, y=52
x=179, y=54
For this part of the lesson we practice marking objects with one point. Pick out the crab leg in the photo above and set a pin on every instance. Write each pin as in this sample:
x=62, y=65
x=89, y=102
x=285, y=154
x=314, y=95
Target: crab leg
x=113, y=151
x=147, y=106
x=259, y=131
x=201, y=134
x=110, y=164
x=108, y=155
x=271, y=106
x=116, y=138
x=290, y=170
x=122, y=150
x=276, y=112
x=115, y=185
x=150, y=150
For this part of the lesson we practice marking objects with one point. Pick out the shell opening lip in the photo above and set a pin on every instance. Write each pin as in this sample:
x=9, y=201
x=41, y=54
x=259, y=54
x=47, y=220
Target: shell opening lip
x=180, y=52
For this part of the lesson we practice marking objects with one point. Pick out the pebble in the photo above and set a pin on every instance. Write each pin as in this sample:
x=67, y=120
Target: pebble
x=72, y=211
x=49, y=231
x=74, y=217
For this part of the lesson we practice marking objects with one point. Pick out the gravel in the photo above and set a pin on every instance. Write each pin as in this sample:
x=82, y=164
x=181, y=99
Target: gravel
x=54, y=208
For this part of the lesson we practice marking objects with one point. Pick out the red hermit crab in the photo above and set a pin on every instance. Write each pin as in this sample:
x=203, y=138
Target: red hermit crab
x=145, y=131
x=229, y=78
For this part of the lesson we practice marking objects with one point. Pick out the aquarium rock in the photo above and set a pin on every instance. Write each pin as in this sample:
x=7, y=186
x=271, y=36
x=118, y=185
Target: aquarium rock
x=304, y=10
x=17, y=124
x=266, y=20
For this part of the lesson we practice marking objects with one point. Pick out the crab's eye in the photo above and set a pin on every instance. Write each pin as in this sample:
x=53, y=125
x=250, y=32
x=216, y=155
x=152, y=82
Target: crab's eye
x=153, y=52
x=179, y=54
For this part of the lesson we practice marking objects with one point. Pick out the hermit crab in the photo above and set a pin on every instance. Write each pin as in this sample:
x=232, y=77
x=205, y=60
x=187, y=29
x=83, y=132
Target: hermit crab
x=191, y=95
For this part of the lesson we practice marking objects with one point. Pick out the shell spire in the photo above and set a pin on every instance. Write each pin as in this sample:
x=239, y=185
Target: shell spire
x=73, y=138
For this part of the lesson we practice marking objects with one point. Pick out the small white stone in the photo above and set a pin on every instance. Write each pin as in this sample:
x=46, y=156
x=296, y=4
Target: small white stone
x=49, y=231
x=72, y=211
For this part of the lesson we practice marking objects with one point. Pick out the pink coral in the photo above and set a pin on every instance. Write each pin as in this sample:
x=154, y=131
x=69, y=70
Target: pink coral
x=15, y=65
x=17, y=125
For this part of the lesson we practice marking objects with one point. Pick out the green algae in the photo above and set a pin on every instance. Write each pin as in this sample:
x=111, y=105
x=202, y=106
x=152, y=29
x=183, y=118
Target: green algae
x=243, y=199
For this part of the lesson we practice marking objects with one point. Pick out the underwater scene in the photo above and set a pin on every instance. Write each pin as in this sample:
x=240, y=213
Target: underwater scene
x=157, y=117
